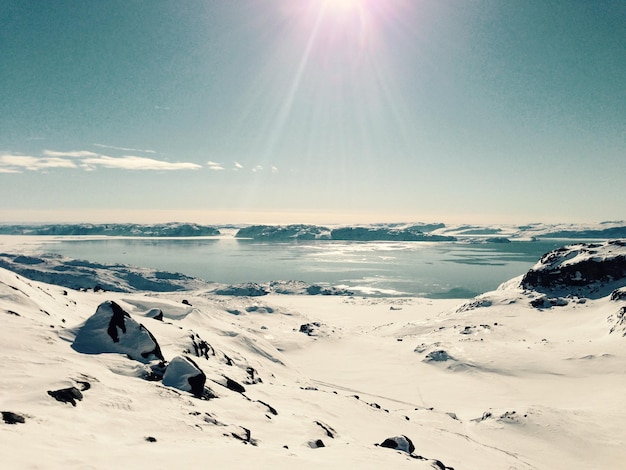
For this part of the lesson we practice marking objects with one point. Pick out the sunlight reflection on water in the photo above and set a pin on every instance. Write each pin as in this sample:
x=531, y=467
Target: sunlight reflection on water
x=443, y=269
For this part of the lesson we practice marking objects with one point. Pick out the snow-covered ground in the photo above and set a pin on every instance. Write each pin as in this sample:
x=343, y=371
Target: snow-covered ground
x=526, y=377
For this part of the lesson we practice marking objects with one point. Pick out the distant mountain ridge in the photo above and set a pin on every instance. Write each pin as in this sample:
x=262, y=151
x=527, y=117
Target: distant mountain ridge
x=121, y=230
x=358, y=232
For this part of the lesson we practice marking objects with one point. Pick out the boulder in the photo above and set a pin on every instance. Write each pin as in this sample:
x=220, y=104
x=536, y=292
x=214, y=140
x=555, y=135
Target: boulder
x=155, y=313
x=316, y=444
x=66, y=395
x=112, y=330
x=438, y=356
x=184, y=374
x=12, y=418
x=401, y=443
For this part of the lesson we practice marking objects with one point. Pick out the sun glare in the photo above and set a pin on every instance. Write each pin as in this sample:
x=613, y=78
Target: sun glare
x=342, y=4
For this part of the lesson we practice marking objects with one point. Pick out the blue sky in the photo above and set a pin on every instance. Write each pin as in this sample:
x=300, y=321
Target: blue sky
x=322, y=111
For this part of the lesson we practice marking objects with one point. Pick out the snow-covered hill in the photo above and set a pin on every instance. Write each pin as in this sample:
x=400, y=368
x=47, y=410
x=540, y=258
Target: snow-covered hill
x=171, y=229
x=369, y=232
x=97, y=379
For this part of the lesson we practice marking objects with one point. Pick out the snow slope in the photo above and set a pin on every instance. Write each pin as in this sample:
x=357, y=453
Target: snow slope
x=498, y=381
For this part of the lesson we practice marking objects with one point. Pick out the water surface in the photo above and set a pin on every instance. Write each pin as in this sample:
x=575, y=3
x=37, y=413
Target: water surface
x=432, y=269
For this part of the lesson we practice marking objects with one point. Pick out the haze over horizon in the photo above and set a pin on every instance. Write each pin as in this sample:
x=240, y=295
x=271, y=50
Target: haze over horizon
x=312, y=111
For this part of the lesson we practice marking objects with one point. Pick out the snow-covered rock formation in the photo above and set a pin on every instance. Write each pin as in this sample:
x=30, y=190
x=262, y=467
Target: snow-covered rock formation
x=112, y=330
x=585, y=269
x=184, y=374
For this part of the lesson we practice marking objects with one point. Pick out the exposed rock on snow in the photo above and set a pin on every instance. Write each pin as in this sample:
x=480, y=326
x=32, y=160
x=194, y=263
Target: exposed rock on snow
x=401, y=443
x=243, y=434
x=184, y=374
x=438, y=356
x=475, y=303
x=330, y=432
x=619, y=294
x=316, y=444
x=66, y=395
x=12, y=418
x=310, y=328
x=586, y=268
x=200, y=347
x=112, y=330
x=619, y=321
x=155, y=313
x=234, y=385
x=269, y=407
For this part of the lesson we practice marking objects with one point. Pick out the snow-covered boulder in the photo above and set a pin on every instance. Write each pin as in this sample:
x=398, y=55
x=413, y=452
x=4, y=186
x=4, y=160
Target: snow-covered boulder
x=401, y=443
x=155, y=313
x=112, y=330
x=184, y=374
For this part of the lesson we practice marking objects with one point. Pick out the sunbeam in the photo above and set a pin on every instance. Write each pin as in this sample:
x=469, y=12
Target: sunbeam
x=285, y=109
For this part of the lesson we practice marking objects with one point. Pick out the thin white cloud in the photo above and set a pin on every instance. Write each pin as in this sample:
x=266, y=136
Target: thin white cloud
x=72, y=154
x=257, y=169
x=274, y=169
x=238, y=166
x=124, y=149
x=131, y=162
x=88, y=161
x=10, y=163
x=214, y=166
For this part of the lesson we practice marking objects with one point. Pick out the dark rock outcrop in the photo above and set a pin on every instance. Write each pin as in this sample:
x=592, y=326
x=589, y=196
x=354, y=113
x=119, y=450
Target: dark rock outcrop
x=586, y=268
x=619, y=294
x=269, y=407
x=619, y=321
x=309, y=328
x=66, y=395
x=243, y=434
x=12, y=418
x=316, y=444
x=234, y=385
x=330, y=432
x=438, y=356
x=402, y=443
